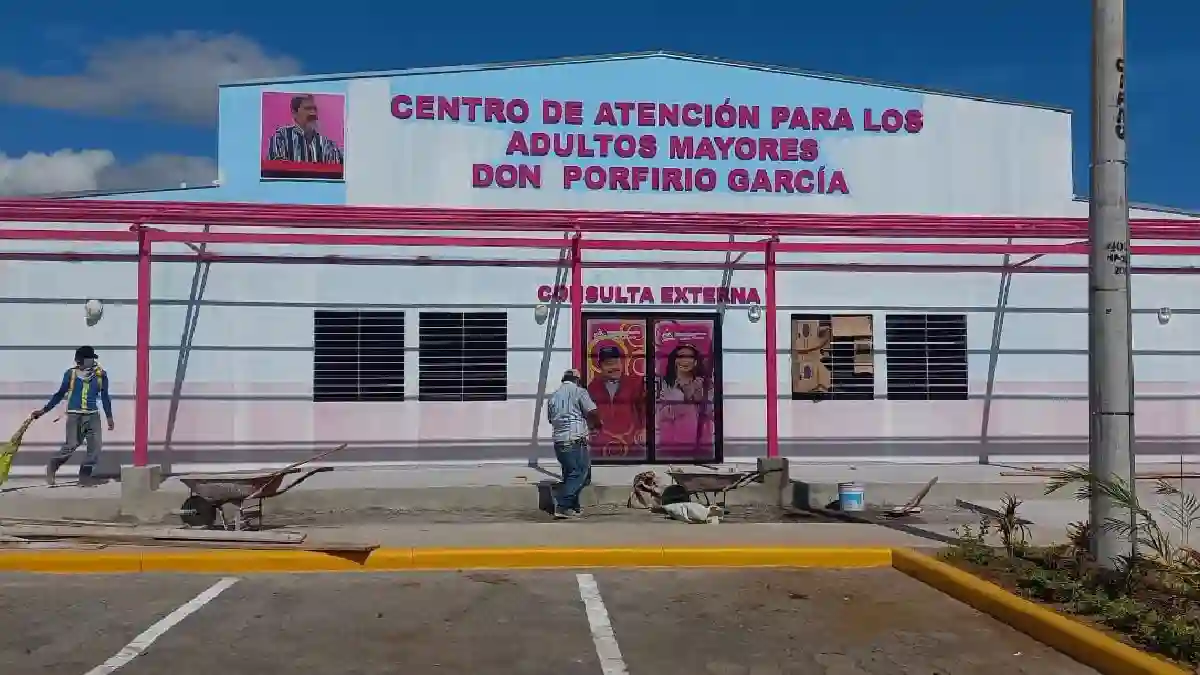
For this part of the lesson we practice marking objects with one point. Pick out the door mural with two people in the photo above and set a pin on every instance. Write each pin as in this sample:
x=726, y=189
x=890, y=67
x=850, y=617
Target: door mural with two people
x=668, y=413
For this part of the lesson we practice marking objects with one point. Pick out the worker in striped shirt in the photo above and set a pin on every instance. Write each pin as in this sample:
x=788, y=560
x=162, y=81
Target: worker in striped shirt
x=301, y=141
x=83, y=387
x=573, y=416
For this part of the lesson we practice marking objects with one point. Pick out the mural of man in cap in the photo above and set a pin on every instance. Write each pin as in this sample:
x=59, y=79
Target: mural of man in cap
x=621, y=401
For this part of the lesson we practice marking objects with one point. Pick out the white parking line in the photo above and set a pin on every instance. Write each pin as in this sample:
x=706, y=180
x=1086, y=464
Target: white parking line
x=611, y=661
x=142, y=642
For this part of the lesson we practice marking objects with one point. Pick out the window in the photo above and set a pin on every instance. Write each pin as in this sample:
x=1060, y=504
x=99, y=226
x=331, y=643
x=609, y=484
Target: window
x=833, y=357
x=464, y=356
x=927, y=357
x=358, y=356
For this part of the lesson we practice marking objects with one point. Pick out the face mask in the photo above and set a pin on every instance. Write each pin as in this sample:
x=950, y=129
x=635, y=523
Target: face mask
x=87, y=364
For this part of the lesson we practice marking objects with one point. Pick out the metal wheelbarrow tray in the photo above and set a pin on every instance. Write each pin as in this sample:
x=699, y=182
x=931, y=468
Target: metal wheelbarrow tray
x=236, y=497
x=713, y=487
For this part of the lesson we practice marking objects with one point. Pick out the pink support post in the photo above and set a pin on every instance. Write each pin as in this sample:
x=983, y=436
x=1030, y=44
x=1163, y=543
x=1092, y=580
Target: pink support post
x=141, y=384
x=577, y=303
x=772, y=359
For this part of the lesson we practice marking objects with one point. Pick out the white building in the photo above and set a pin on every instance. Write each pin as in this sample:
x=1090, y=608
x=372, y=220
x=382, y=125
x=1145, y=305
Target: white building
x=260, y=381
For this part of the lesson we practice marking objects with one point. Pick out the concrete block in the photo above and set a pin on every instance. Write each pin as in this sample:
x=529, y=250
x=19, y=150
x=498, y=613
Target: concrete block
x=139, y=498
x=140, y=478
x=777, y=483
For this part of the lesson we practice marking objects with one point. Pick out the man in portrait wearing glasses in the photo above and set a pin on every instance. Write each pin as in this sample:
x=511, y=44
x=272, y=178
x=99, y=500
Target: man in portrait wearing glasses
x=302, y=140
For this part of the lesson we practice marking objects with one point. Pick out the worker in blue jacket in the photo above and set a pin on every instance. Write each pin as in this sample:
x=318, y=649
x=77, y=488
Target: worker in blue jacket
x=83, y=386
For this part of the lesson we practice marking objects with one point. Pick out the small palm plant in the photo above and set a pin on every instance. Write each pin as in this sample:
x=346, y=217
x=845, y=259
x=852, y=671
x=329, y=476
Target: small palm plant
x=1161, y=542
x=1013, y=530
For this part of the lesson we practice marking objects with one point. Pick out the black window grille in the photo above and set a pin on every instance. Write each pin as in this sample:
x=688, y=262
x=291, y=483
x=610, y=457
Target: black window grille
x=463, y=356
x=358, y=356
x=926, y=357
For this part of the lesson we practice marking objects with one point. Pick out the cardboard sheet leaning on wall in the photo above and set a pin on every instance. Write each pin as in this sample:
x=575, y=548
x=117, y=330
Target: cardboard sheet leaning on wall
x=810, y=343
x=861, y=330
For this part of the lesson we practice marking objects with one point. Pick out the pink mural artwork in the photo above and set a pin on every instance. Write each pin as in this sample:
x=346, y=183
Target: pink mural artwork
x=684, y=390
x=616, y=380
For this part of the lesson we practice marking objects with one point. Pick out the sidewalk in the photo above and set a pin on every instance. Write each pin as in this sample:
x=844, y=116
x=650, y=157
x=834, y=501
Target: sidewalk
x=515, y=488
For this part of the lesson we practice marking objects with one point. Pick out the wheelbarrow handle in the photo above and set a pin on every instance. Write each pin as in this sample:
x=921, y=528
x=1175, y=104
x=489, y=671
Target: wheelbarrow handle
x=303, y=476
x=751, y=477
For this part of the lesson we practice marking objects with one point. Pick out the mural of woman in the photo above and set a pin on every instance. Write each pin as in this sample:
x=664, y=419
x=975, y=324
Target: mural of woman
x=683, y=417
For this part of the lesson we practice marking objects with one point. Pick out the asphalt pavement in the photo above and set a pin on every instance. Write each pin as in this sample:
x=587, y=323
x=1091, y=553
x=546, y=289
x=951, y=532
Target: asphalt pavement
x=602, y=622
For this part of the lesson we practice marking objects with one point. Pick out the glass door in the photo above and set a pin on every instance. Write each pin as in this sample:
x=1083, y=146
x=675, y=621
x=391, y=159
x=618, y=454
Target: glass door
x=615, y=350
x=685, y=390
x=656, y=380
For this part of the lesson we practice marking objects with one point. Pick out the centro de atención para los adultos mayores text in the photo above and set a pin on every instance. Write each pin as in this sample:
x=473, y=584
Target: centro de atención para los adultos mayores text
x=644, y=147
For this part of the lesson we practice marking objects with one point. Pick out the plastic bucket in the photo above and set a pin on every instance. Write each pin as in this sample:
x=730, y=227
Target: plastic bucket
x=851, y=496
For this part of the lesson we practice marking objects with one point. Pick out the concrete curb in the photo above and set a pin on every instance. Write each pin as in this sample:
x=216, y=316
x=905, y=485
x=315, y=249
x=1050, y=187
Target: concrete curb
x=401, y=559
x=1082, y=643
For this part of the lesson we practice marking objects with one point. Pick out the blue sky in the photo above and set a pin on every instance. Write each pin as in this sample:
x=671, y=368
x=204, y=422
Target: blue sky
x=1024, y=50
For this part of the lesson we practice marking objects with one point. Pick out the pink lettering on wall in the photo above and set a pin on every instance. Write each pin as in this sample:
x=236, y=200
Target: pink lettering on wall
x=645, y=295
x=637, y=155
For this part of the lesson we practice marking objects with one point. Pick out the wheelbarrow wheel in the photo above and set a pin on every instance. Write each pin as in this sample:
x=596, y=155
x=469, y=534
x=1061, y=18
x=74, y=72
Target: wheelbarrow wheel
x=198, y=512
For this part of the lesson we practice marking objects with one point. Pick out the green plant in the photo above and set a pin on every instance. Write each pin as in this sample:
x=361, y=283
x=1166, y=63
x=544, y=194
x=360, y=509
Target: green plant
x=1014, y=533
x=1079, y=540
x=1033, y=579
x=1155, y=542
x=1049, y=585
x=971, y=544
x=1123, y=614
x=1176, y=637
x=1088, y=603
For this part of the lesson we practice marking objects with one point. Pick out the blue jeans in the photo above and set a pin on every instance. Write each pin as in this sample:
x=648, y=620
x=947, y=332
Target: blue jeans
x=576, y=462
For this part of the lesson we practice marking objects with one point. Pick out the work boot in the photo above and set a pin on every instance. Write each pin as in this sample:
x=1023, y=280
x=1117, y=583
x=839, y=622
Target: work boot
x=86, y=479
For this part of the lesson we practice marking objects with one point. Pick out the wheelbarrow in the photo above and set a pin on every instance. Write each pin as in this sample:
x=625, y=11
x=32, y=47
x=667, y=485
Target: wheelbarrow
x=236, y=498
x=711, y=487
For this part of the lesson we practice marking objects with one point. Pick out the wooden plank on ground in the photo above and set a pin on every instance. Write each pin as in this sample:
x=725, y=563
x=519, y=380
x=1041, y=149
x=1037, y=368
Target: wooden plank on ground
x=136, y=534
x=50, y=545
x=321, y=547
x=62, y=521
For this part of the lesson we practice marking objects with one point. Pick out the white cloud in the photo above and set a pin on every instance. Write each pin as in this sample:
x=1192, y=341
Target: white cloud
x=77, y=170
x=174, y=76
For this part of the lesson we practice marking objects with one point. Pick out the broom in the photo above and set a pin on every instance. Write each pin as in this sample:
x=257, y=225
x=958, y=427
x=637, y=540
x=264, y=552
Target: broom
x=9, y=450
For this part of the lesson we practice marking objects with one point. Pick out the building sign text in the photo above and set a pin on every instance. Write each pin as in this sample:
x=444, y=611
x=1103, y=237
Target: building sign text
x=621, y=145
x=646, y=295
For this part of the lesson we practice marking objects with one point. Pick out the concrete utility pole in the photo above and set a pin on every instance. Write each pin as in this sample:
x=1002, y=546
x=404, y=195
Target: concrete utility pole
x=1110, y=353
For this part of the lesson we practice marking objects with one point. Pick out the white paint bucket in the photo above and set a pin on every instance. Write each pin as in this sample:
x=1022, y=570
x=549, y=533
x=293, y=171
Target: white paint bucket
x=851, y=496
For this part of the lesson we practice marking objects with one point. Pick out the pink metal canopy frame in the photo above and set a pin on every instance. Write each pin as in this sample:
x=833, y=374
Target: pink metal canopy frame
x=304, y=222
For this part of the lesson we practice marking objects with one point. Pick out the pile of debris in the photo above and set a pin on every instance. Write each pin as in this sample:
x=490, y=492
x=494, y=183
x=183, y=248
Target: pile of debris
x=33, y=533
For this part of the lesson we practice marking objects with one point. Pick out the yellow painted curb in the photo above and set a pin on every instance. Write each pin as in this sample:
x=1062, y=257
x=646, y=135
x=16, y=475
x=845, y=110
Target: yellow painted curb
x=1082, y=643
x=398, y=559
x=247, y=561
x=77, y=562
